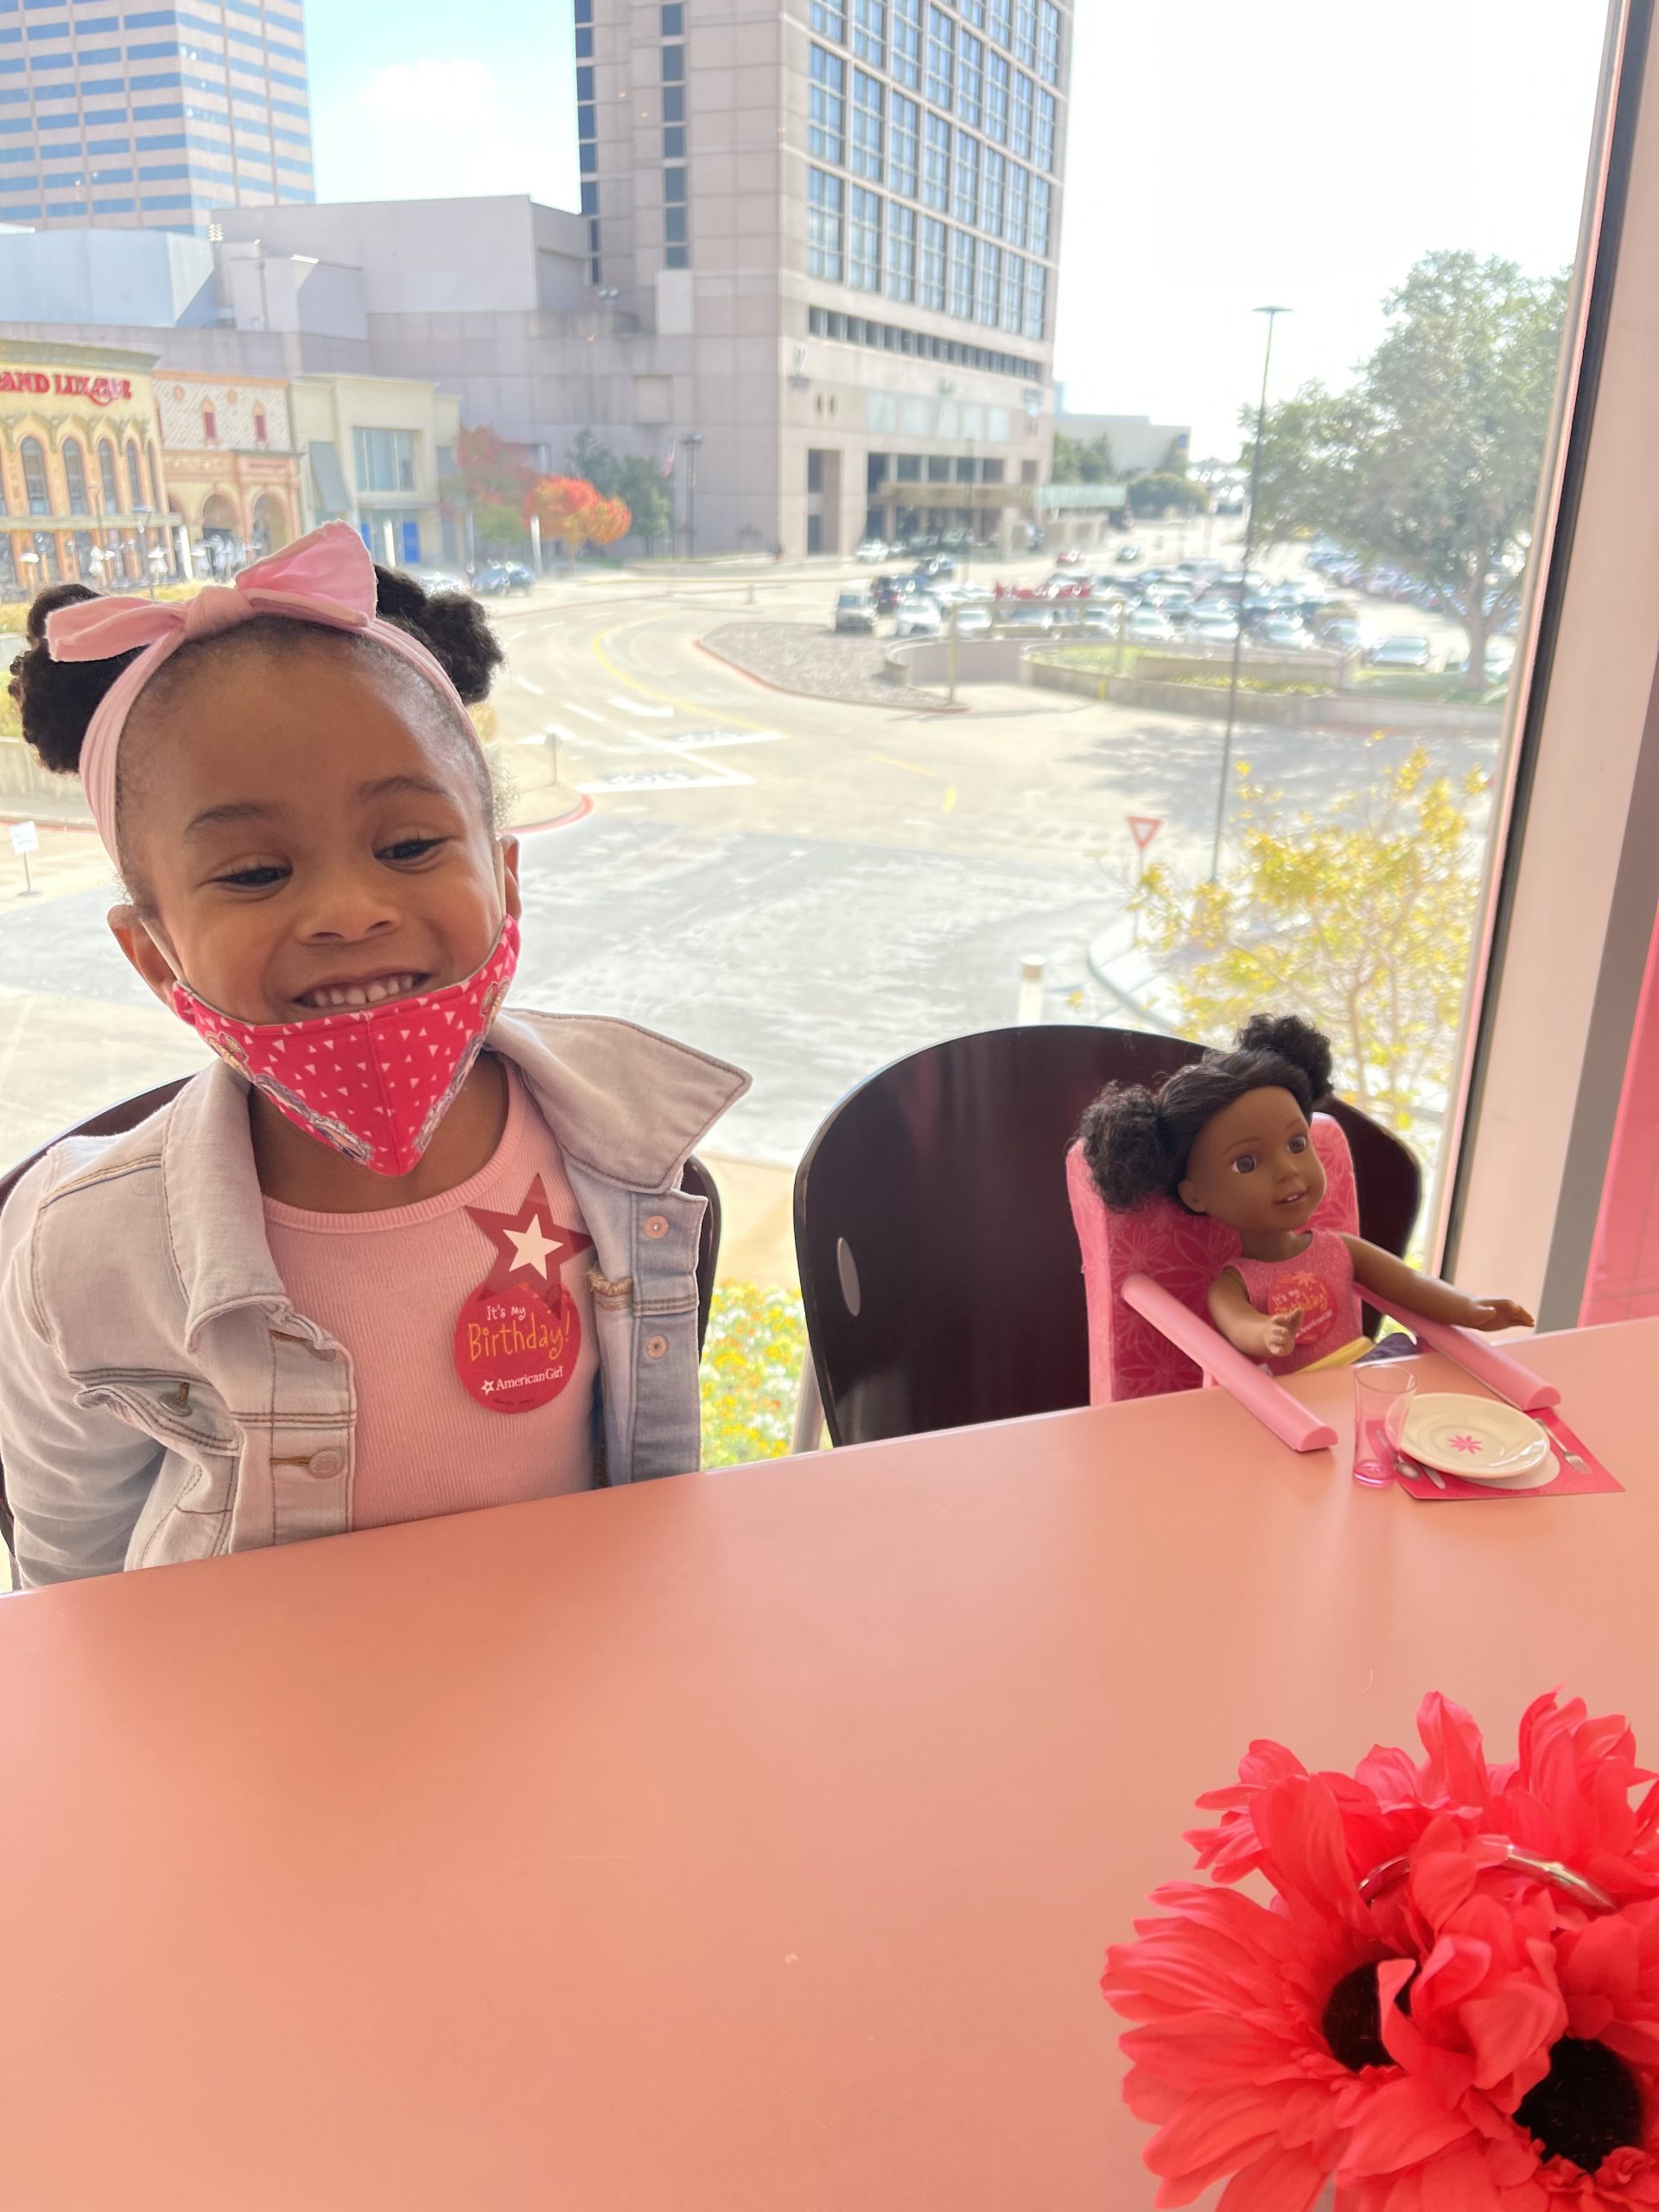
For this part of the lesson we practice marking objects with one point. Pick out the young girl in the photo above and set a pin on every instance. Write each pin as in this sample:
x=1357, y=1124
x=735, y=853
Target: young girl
x=1228, y=1137
x=393, y=1254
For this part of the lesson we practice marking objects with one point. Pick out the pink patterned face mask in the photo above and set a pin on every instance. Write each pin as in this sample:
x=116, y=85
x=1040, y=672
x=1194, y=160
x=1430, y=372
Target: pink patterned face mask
x=374, y=1082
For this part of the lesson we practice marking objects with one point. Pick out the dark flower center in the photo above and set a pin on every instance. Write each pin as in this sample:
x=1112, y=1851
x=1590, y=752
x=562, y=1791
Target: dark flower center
x=1350, y=2023
x=1586, y=2106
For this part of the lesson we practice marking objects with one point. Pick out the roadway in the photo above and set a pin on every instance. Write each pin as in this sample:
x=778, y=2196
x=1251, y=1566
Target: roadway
x=807, y=888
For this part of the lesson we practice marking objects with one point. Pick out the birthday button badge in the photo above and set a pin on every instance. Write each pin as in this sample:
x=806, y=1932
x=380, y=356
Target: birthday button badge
x=518, y=1336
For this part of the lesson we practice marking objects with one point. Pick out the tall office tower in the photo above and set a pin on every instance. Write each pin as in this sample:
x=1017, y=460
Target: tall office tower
x=150, y=116
x=840, y=220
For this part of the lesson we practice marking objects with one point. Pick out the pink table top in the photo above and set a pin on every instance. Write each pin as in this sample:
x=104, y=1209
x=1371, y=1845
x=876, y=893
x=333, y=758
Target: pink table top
x=742, y=1843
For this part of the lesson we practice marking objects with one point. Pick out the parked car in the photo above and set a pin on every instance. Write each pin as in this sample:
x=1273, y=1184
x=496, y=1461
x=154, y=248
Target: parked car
x=1283, y=634
x=500, y=579
x=430, y=580
x=886, y=592
x=1217, y=629
x=971, y=621
x=917, y=617
x=940, y=564
x=872, y=549
x=1025, y=614
x=1071, y=558
x=856, y=611
x=1126, y=554
x=1146, y=625
x=1402, y=651
x=1339, y=633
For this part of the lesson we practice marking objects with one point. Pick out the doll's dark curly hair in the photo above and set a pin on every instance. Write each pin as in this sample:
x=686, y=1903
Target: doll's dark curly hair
x=57, y=699
x=1137, y=1141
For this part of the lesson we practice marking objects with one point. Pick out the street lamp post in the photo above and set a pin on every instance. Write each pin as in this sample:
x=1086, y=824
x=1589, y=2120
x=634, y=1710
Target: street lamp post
x=692, y=442
x=1273, y=315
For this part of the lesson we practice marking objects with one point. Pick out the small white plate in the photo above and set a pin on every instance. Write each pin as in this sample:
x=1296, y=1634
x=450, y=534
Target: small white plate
x=1480, y=1439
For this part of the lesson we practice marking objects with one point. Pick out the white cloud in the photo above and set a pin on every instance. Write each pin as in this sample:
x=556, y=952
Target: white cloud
x=445, y=124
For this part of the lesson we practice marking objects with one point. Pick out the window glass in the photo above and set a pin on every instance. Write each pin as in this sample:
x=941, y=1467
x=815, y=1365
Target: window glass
x=864, y=239
x=936, y=165
x=990, y=282
x=1019, y=204
x=135, y=477
x=384, y=459
x=903, y=146
x=1048, y=42
x=1014, y=292
x=941, y=56
x=829, y=19
x=970, y=78
x=106, y=477
x=1042, y=201
x=870, y=32
x=901, y=253
x=992, y=190
x=964, y=202
x=905, y=54
x=1043, y=142
x=33, y=457
x=999, y=76
x=1025, y=32
x=998, y=20
x=962, y=274
x=867, y=125
x=824, y=252
x=75, y=476
x=933, y=261
x=1022, y=126
x=826, y=135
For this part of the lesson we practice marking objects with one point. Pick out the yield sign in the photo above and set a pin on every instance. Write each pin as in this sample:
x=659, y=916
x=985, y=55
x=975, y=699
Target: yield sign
x=1143, y=828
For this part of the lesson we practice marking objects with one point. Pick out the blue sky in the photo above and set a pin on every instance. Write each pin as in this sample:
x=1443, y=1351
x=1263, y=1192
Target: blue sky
x=1225, y=153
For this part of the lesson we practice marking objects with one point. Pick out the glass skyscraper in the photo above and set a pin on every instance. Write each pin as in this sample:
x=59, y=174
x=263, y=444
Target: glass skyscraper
x=152, y=116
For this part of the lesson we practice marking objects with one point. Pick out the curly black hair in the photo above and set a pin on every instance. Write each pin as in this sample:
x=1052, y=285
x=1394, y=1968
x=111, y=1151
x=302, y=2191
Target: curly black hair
x=1137, y=1141
x=57, y=699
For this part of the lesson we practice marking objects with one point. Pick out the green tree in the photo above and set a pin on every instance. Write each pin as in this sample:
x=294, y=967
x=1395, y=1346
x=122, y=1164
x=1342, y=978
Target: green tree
x=1432, y=461
x=498, y=529
x=1359, y=918
x=645, y=488
x=1162, y=490
x=1079, y=460
x=591, y=459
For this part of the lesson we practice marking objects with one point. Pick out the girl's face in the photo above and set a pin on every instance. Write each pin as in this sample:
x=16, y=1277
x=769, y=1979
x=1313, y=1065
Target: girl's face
x=307, y=837
x=1253, y=1168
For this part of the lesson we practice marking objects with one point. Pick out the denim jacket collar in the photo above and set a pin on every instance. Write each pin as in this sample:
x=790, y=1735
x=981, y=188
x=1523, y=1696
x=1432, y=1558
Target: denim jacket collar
x=584, y=1072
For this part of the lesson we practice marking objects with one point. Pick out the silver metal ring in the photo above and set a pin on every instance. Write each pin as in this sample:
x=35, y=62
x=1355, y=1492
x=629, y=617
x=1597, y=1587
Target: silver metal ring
x=1393, y=1870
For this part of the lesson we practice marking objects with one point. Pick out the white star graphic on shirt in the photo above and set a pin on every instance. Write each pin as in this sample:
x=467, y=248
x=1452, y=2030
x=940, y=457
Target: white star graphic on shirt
x=532, y=1245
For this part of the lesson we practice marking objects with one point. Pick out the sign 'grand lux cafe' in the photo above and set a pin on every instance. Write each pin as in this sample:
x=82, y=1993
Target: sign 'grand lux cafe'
x=83, y=490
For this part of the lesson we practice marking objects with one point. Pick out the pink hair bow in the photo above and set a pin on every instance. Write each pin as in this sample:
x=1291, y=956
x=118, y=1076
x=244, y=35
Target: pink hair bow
x=326, y=578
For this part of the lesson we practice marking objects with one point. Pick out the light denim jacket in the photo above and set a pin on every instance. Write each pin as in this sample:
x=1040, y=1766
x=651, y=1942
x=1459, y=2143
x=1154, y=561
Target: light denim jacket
x=161, y=1400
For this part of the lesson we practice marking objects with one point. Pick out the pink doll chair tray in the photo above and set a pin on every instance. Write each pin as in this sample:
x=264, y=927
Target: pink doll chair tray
x=1146, y=1278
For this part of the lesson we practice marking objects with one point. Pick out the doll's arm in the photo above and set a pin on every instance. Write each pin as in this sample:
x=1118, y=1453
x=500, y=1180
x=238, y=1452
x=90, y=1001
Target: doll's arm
x=1258, y=1336
x=1426, y=1295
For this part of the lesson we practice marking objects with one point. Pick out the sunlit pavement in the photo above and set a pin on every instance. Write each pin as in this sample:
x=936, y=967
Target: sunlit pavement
x=805, y=888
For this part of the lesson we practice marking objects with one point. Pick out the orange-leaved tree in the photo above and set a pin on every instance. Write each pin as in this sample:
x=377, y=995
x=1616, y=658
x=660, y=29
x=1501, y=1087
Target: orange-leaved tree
x=610, y=521
x=567, y=507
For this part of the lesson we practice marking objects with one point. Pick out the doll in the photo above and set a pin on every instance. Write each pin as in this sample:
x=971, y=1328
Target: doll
x=1228, y=1137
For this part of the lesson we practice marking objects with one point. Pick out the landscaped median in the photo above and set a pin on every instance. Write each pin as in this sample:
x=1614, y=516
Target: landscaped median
x=1307, y=692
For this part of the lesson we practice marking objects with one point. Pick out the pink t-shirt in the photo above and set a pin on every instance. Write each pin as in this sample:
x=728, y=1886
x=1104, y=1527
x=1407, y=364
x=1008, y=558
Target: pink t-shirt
x=1321, y=1282
x=390, y=1288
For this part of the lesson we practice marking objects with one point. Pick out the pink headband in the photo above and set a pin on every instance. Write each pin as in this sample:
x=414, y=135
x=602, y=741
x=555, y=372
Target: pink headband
x=327, y=578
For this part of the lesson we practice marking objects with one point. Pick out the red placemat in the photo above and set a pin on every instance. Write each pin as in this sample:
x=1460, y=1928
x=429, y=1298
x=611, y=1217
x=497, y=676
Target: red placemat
x=1570, y=1482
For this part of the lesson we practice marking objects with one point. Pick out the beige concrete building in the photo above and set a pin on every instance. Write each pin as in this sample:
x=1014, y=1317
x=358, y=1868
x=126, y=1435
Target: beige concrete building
x=815, y=263
x=376, y=451
x=232, y=464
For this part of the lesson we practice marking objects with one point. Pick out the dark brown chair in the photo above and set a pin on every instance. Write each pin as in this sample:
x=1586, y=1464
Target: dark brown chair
x=112, y=1120
x=939, y=1267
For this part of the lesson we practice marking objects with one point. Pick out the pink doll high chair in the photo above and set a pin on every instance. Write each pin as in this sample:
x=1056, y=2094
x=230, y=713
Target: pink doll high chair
x=1146, y=1278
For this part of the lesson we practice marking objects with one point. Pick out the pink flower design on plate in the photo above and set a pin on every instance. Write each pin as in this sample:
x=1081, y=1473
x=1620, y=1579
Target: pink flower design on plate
x=1465, y=1443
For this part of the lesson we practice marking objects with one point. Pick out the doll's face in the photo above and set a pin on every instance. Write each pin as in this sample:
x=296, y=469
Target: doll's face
x=1254, y=1166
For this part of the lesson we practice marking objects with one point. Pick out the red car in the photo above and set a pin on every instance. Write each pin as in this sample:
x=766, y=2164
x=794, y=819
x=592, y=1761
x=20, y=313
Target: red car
x=1071, y=558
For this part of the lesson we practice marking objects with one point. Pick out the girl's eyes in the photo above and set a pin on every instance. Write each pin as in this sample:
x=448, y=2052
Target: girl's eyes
x=407, y=849
x=1299, y=1144
x=1245, y=1164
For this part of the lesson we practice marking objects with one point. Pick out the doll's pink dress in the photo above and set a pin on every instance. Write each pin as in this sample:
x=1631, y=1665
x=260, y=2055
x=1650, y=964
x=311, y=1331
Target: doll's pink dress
x=1321, y=1282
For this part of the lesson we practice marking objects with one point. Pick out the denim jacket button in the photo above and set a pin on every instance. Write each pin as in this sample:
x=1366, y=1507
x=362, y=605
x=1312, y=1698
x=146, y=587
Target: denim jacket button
x=656, y=1225
x=325, y=1464
x=655, y=1347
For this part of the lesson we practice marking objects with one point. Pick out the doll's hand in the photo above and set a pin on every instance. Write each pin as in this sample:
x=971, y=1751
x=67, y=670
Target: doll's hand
x=1280, y=1333
x=1497, y=1313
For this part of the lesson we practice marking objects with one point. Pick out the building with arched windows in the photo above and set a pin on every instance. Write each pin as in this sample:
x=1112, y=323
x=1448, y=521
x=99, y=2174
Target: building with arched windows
x=234, y=467
x=83, y=489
